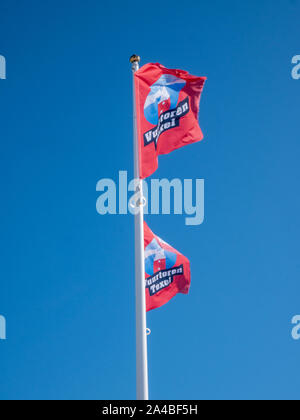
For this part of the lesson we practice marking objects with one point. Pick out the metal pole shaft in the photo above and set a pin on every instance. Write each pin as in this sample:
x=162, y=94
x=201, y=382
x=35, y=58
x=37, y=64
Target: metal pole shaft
x=140, y=299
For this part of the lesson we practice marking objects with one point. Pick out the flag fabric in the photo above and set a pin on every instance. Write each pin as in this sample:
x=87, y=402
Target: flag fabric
x=167, y=271
x=167, y=106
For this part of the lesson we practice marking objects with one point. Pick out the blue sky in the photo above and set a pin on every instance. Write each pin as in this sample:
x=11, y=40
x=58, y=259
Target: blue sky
x=67, y=283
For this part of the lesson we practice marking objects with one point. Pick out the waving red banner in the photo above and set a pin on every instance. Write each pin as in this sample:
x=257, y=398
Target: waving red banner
x=167, y=272
x=167, y=105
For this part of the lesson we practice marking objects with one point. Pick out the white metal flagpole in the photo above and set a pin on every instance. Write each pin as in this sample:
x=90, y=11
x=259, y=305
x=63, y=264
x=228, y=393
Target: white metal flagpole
x=140, y=299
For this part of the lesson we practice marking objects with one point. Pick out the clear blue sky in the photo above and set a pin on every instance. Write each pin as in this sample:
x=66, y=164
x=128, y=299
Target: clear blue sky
x=67, y=284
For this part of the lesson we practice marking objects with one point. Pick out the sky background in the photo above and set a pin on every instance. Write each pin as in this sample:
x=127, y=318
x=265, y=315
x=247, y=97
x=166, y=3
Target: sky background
x=67, y=273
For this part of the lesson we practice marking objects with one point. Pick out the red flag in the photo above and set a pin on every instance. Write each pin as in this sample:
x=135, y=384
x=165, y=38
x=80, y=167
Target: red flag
x=167, y=272
x=167, y=104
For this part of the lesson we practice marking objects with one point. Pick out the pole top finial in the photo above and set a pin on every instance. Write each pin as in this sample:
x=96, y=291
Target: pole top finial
x=135, y=59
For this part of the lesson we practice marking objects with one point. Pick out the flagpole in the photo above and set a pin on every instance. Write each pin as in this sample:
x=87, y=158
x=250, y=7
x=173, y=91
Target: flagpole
x=140, y=299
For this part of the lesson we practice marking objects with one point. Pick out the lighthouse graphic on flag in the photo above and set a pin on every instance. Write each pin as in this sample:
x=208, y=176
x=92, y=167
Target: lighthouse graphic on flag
x=167, y=271
x=163, y=96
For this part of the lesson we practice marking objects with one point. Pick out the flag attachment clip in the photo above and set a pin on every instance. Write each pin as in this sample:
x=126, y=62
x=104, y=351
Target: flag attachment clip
x=140, y=202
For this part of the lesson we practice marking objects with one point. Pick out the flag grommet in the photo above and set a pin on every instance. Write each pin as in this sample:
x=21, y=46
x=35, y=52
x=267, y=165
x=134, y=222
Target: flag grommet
x=138, y=203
